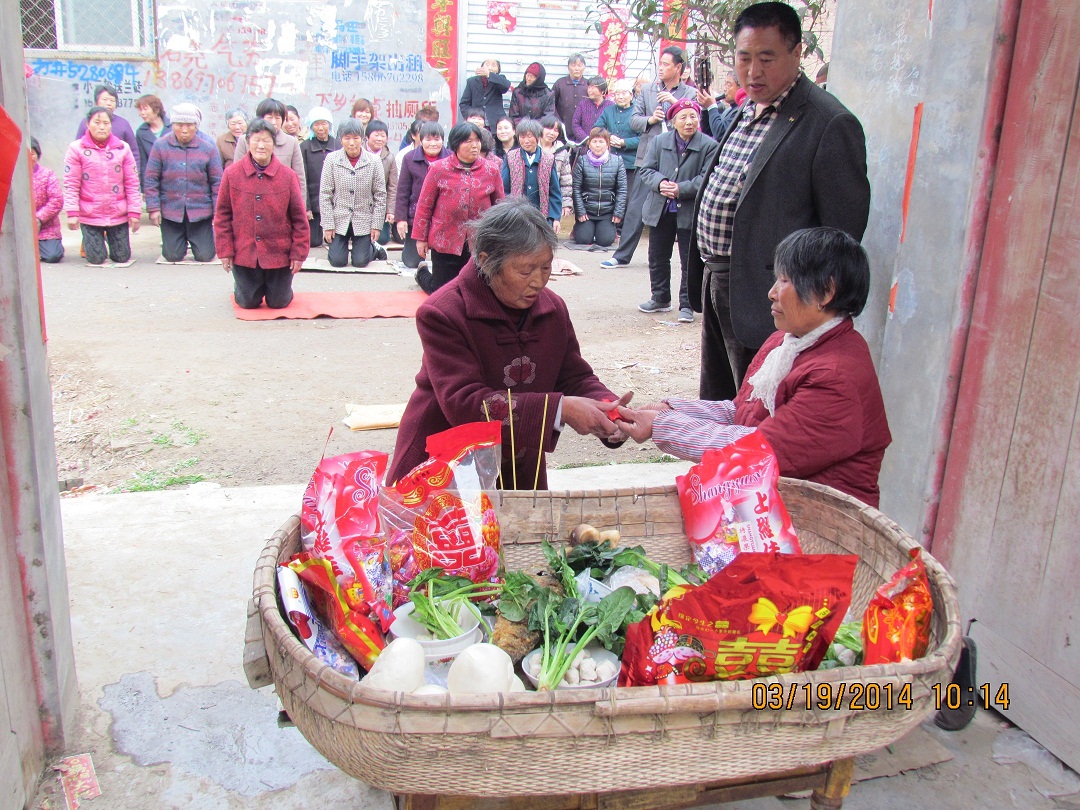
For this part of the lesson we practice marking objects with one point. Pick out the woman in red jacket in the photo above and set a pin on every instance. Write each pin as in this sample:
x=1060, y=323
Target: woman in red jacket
x=260, y=226
x=456, y=190
x=811, y=389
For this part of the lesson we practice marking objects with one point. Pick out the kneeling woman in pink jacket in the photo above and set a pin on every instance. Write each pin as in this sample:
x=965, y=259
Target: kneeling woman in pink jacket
x=260, y=225
x=101, y=190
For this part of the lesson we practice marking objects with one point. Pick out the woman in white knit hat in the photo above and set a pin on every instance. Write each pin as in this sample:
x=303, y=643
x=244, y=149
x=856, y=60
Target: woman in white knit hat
x=314, y=150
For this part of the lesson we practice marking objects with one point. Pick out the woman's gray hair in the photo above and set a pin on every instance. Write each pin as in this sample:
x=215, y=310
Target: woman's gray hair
x=512, y=227
x=530, y=126
x=350, y=126
x=235, y=111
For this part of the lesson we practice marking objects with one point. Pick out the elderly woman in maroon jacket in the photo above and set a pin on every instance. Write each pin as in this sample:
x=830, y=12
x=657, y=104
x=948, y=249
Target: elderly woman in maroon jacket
x=456, y=190
x=260, y=225
x=497, y=341
x=414, y=169
x=811, y=389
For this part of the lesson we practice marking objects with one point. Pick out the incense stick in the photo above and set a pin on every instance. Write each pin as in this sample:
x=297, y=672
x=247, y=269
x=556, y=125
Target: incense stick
x=513, y=456
x=543, y=430
x=487, y=414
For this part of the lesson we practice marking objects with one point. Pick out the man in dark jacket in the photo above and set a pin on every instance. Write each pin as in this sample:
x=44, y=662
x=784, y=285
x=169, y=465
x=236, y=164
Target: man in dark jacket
x=570, y=90
x=671, y=176
x=650, y=110
x=794, y=157
x=485, y=90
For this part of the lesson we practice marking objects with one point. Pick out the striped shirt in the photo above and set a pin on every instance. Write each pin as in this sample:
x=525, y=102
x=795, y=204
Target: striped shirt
x=716, y=217
x=693, y=426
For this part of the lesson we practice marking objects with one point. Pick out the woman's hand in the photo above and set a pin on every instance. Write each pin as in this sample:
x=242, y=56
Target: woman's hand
x=402, y=229
x=73, y=223
x=375, y=234
x=583, y=218
x=617, y=142
x=155, y=217
x=133, y=223
x=421, y=249
x=311, y=215
x=328, y=236
x=637, y=424
x=567, y=211
x=669, y=189
x=556, y=226
x=616, y=220
x=589, y=417
x=295, y=265
x=226, y=263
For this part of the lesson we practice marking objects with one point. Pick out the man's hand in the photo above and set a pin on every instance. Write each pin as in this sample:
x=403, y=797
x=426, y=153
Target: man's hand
x=295, y=265
x=657, y=115
x=421, y=249
x=227, y=263
x=664, y=97
x=73, y=223
x=637, y=424
x=669, y=189
x=482, y=71
x=133, y=223
x=402, y=229
x=705, y=99
x=155, y=217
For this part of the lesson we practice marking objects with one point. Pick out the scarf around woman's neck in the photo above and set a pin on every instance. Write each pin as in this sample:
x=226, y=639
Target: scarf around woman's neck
x=598, y=161
x=766, y=380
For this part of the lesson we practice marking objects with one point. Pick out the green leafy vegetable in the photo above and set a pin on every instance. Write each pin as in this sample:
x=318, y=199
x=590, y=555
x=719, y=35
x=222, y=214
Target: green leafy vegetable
x=439, y=601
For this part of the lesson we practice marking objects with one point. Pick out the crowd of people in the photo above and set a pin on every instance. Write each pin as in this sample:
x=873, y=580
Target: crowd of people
x=763, y=188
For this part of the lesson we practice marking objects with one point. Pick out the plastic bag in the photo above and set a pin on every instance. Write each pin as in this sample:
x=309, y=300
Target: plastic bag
x=339, y=522
x=731, y=503
x=764, y=614
x=439, y=514
x=896, y=624
x=311, y=631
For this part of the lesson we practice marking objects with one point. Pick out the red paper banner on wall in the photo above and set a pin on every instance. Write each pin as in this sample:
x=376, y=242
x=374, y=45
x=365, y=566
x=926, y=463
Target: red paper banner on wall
x=674, y=24
x=501, y=15
x=613, y=47
x=442, y=47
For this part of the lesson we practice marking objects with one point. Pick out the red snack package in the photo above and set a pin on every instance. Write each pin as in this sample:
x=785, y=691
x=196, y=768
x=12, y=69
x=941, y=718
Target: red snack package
x=896, y=624
x=731, y=503
x=442, y=508
x=339, y=522
x=359, y=635
x=764, y=614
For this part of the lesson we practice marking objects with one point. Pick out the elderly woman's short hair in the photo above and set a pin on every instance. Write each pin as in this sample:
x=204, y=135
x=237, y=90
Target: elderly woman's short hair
x=259, y=125
x=431, y=129
x=529, y=126
x=512, y=227
x=350, y=126
x=235, y=111
x=820, y=261
x=461, y=133
x=599, y=81
x=271, y=106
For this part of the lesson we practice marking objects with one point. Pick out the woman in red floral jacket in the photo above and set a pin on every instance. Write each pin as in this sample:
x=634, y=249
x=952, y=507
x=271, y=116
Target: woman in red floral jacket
x=457, y=189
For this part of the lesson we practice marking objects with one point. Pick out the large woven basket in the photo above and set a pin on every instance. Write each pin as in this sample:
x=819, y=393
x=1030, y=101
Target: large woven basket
x=597, y=740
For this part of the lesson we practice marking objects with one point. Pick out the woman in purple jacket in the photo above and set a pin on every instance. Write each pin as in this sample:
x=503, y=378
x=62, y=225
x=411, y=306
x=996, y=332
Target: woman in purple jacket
x=414, y=168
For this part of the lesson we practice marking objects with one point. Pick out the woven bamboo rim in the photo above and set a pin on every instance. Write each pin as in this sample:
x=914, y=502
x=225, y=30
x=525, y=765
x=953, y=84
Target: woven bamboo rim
x=352, y=724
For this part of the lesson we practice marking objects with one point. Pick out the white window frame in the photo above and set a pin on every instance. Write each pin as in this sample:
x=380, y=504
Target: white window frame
x=144, y=34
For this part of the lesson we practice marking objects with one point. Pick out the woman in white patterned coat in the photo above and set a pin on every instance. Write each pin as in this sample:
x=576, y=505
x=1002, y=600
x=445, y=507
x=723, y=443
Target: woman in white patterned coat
x=352, y=198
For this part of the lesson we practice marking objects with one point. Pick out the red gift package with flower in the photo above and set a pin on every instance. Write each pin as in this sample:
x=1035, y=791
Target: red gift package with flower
x=440, y=515
x=764, y=614
x=339, y=523
x=896, y=624
x=731, y=502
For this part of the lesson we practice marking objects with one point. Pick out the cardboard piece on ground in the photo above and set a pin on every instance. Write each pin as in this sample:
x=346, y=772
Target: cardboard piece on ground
x=323, y=266
x=163, y=260
x=307, y=305
x=128, y=263
x=562, y=267
x=373, y=417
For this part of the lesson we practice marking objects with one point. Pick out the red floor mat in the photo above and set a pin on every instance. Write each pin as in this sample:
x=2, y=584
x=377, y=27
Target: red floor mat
x=306, y=305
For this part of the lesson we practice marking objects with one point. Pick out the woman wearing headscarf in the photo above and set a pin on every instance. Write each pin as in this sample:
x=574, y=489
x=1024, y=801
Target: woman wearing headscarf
x=532, y=98
x=48, y=203
x=456, y=191
x=499, y=345
x=101, y=190
x=314, y=150
x=811, y=389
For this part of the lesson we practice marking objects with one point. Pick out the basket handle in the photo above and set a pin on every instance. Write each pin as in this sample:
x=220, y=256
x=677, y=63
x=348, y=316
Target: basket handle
x=625, y=705
x=256, y=662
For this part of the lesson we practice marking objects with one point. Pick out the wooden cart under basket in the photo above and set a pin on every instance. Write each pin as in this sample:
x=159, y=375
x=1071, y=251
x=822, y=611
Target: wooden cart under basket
x=640, y=747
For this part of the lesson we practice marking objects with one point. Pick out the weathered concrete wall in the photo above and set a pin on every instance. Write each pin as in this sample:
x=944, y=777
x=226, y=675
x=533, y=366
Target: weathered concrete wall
x=38, y=690
x=889, y=57
x=221, y=54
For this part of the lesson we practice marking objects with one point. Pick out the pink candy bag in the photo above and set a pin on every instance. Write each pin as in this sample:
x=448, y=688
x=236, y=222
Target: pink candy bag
x=731, y=503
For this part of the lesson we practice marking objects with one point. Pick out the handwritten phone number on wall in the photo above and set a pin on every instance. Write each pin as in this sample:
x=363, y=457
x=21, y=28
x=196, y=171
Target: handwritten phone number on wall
x=115, y=73
x=198, y=81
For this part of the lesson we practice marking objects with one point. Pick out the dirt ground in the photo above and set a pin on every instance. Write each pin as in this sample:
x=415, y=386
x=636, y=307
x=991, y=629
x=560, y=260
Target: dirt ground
x=156, y=383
